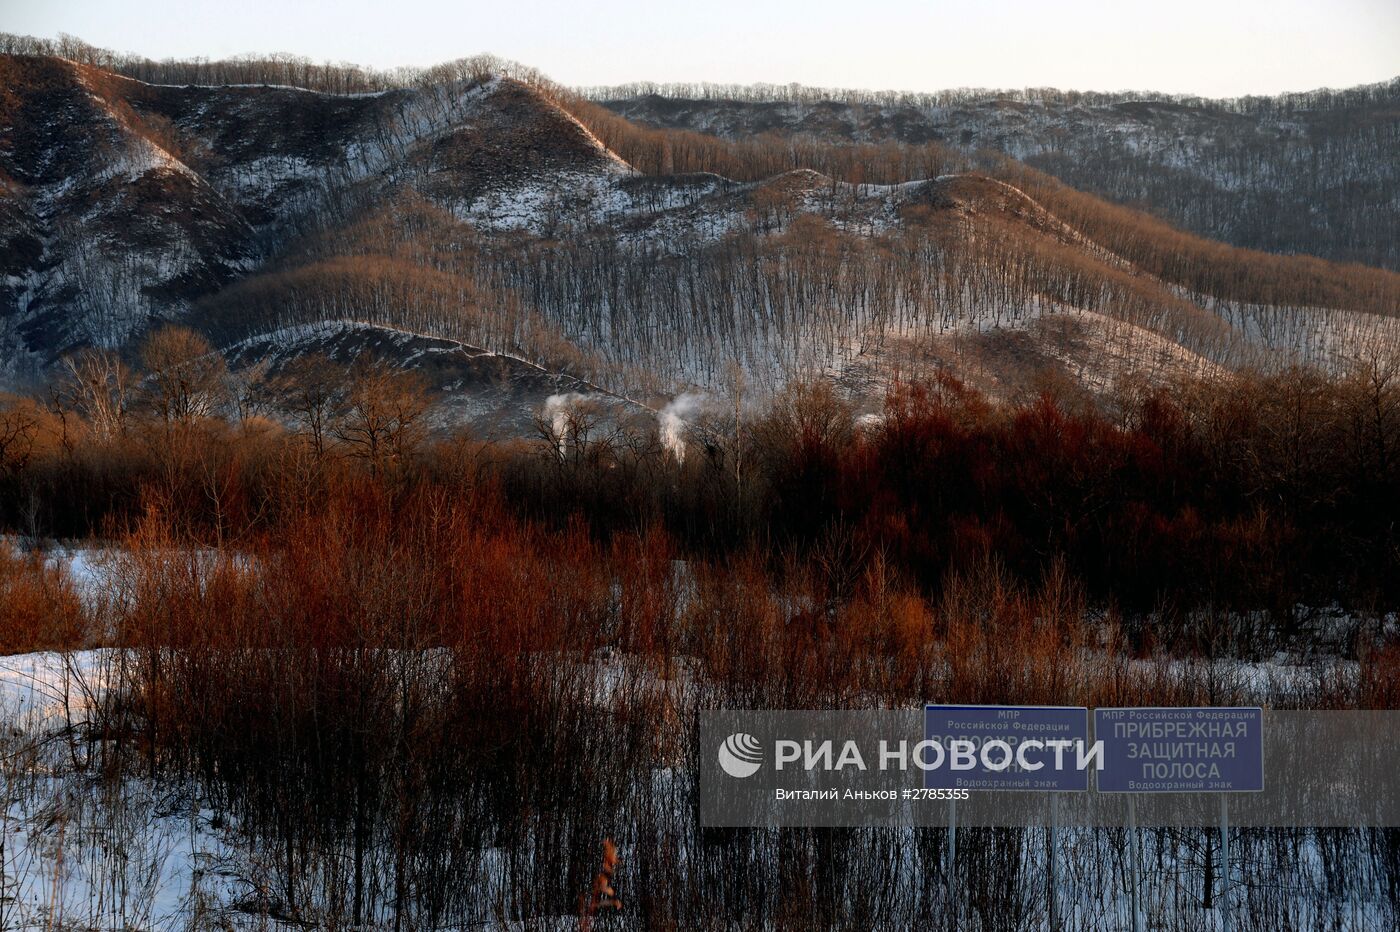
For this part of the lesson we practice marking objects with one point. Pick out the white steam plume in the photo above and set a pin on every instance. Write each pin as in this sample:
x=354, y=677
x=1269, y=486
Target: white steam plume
x=671, y=421
x=557, y=410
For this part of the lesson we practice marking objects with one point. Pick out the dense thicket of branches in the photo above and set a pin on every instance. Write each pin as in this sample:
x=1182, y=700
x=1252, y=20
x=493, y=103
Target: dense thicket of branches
x=1254, y=493
x=413, y=708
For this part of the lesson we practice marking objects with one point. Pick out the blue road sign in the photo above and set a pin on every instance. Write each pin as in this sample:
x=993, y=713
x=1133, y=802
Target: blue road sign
x=1162, y=750
x=1028, y=748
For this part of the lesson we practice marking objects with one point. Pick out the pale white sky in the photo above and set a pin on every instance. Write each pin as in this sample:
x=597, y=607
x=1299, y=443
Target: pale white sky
x=1210, y=47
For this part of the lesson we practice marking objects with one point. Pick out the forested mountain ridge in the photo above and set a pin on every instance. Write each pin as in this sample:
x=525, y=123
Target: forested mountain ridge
x=126, y=202
x=480, y=215
x=1306, y=173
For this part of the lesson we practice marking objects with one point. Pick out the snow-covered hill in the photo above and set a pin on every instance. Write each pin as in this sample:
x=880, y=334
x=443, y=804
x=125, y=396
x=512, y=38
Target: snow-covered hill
x=477, y=229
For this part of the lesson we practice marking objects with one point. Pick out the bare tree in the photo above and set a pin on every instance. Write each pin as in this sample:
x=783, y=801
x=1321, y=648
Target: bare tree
x=312, y=390
x=573, y=426
x=187, y=377
x=384, y=416
x=19, y=425
x=98, y=387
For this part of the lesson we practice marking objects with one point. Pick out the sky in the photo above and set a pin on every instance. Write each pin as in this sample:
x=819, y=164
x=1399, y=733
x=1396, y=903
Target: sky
x=1216, y=48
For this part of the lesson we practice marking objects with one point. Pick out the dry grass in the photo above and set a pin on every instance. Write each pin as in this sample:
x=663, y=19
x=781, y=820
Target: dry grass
x=39, y=609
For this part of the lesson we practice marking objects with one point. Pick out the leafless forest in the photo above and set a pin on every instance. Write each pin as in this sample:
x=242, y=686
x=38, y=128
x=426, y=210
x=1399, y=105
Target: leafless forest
x=793, y=420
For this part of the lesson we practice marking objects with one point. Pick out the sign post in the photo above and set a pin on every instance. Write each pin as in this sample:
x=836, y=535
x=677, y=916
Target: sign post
x=952, y=871
x=1053, y=857
x=1063, y=736
x=1134, y=878
x=1226, y=913
x=1190, y=750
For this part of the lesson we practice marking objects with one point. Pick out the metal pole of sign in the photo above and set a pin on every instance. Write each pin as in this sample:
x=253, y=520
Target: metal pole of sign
x=1225, y=912
x=952, y=860
x=1133, y=879
x=1053, y=891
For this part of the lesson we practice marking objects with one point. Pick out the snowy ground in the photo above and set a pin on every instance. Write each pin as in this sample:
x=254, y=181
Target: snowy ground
x=80, y=852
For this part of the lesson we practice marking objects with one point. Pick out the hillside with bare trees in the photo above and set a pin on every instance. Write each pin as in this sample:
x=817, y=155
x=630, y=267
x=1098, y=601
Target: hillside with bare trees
x=480, y=204
x=1296, y=173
